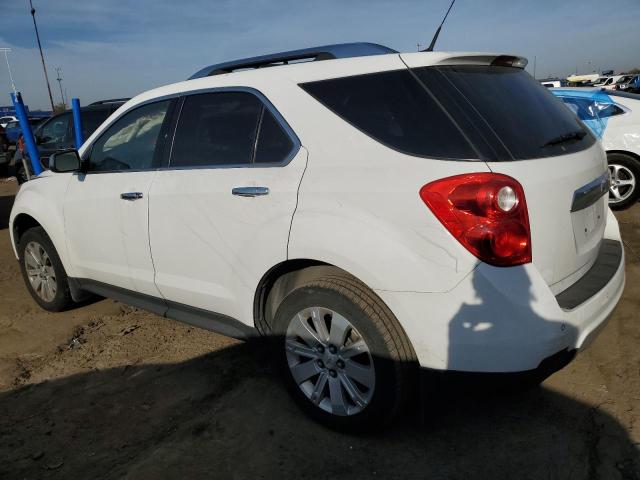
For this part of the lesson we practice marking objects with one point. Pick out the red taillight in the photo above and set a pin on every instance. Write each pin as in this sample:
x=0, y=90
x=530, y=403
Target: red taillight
x=486, y=212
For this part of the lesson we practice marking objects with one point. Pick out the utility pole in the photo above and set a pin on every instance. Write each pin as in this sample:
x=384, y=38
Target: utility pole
x=44, y=67
x=535, y=58
x=6, y=57
x=59, y=79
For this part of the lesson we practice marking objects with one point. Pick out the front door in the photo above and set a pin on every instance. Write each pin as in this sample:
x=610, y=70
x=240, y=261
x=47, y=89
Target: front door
x=220, y=215
x=106, y=208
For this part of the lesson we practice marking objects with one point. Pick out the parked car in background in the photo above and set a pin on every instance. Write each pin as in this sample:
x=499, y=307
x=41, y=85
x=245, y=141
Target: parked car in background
x=615, y=118
x=13, y=129
x=630, y=85
x=602, y=81
x=611, y=85
x=553, y=83
x=370, y=212
x=622, y=80
x=6, y=119
x=57, y=132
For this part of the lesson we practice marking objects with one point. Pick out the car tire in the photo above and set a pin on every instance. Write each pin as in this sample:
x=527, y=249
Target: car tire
x=346, y=390
x=625, y=175
x=43, y=272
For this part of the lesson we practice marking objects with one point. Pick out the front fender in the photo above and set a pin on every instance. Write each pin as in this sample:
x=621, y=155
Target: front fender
x=42, y=199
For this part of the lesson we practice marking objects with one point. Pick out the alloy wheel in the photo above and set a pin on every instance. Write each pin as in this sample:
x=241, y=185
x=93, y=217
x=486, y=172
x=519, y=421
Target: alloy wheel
x=622, y=183
x=40, y=271
x=330, y=361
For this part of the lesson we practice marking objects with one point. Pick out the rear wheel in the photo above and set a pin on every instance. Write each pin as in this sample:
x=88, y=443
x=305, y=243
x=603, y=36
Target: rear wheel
x=624, y=172
x=42, y=271
x=346, y=359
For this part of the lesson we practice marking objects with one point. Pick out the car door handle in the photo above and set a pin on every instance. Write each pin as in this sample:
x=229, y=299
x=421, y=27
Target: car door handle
x=131, y=196
x=250, y=191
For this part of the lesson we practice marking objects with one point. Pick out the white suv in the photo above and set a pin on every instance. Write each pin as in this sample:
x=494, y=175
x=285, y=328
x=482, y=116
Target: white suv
x=370, y=211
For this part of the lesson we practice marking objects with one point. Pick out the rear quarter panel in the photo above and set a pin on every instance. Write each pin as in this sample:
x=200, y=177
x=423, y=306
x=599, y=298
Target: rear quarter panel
x=359, y=207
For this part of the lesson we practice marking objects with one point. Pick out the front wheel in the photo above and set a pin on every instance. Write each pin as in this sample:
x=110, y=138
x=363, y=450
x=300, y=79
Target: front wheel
x=43, y=272
x=346, y=359
x=624, y=172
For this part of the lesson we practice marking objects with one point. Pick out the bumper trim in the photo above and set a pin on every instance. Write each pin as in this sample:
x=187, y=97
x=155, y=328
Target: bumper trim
x=602, y=271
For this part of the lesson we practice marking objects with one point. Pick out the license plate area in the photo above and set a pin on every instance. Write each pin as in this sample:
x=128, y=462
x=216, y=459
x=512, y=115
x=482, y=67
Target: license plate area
x=588, y=227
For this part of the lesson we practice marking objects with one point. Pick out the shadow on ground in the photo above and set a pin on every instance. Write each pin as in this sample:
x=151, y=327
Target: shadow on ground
x=226, y=415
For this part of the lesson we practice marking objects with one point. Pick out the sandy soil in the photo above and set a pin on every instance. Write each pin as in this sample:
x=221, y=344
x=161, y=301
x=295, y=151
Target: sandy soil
x=108, y=391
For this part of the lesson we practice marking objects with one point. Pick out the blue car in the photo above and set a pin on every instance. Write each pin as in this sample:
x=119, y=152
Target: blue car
x=13, y=130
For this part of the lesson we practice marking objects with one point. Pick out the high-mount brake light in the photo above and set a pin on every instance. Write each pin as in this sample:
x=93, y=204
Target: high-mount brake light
x=486, y=213
x=510, y=61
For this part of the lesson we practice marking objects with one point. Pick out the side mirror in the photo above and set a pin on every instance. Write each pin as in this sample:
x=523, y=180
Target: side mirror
x=65, y=161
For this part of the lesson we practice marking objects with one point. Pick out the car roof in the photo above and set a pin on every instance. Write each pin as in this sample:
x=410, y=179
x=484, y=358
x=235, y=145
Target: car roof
x=238, y=74
x=325, y=52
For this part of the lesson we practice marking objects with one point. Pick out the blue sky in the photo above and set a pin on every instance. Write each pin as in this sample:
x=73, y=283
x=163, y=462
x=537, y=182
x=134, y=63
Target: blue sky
x=116, y=48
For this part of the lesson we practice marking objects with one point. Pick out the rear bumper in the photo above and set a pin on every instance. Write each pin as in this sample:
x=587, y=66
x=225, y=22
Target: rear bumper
x=503, y=319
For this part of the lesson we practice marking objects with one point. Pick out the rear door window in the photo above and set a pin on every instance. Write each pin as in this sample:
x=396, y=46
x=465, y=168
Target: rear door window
x=216, y=129
x=274, y=145
x=394, y=109
x=228, y=129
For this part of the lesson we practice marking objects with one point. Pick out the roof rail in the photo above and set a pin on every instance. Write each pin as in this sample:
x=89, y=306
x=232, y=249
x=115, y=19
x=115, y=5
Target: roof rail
x=111, y=100
x=327, y=52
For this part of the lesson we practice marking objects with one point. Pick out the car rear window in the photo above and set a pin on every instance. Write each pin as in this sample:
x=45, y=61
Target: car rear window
x=525, y=117
x=456, y=112
x=394, y=109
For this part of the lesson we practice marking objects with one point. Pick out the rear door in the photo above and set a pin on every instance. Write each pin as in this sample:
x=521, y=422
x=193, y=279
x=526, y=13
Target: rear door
x=220, y=214
x=532, y=137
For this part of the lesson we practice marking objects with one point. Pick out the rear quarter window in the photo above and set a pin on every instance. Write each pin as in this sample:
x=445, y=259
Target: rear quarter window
x=395, y=110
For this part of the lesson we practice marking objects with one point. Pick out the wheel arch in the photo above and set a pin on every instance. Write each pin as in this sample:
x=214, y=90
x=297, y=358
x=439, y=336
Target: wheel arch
x=265, y=286
x=21, y=223
x=633, y=155
x=270, y=293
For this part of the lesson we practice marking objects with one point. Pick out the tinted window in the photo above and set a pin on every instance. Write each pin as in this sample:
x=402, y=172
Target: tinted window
x=394, y=109
x=12, y=125
x=274, y=145
x=56, y=131
x=523, y=114
x=130, y=143
x=216, y=129
x=91, y=120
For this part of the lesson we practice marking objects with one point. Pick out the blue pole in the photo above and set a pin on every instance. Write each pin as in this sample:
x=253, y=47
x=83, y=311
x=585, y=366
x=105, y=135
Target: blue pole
x=77, y=122
x=27, y=134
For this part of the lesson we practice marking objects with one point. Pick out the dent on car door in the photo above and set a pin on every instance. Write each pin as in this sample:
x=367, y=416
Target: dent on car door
x=106, y=209
x=220, y=215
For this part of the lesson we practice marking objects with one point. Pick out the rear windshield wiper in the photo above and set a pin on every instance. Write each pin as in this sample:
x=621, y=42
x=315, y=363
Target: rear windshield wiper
x=566, y=137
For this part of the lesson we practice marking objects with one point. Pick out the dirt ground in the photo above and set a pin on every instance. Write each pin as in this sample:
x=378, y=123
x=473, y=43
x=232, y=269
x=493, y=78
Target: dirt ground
x=108, y=391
